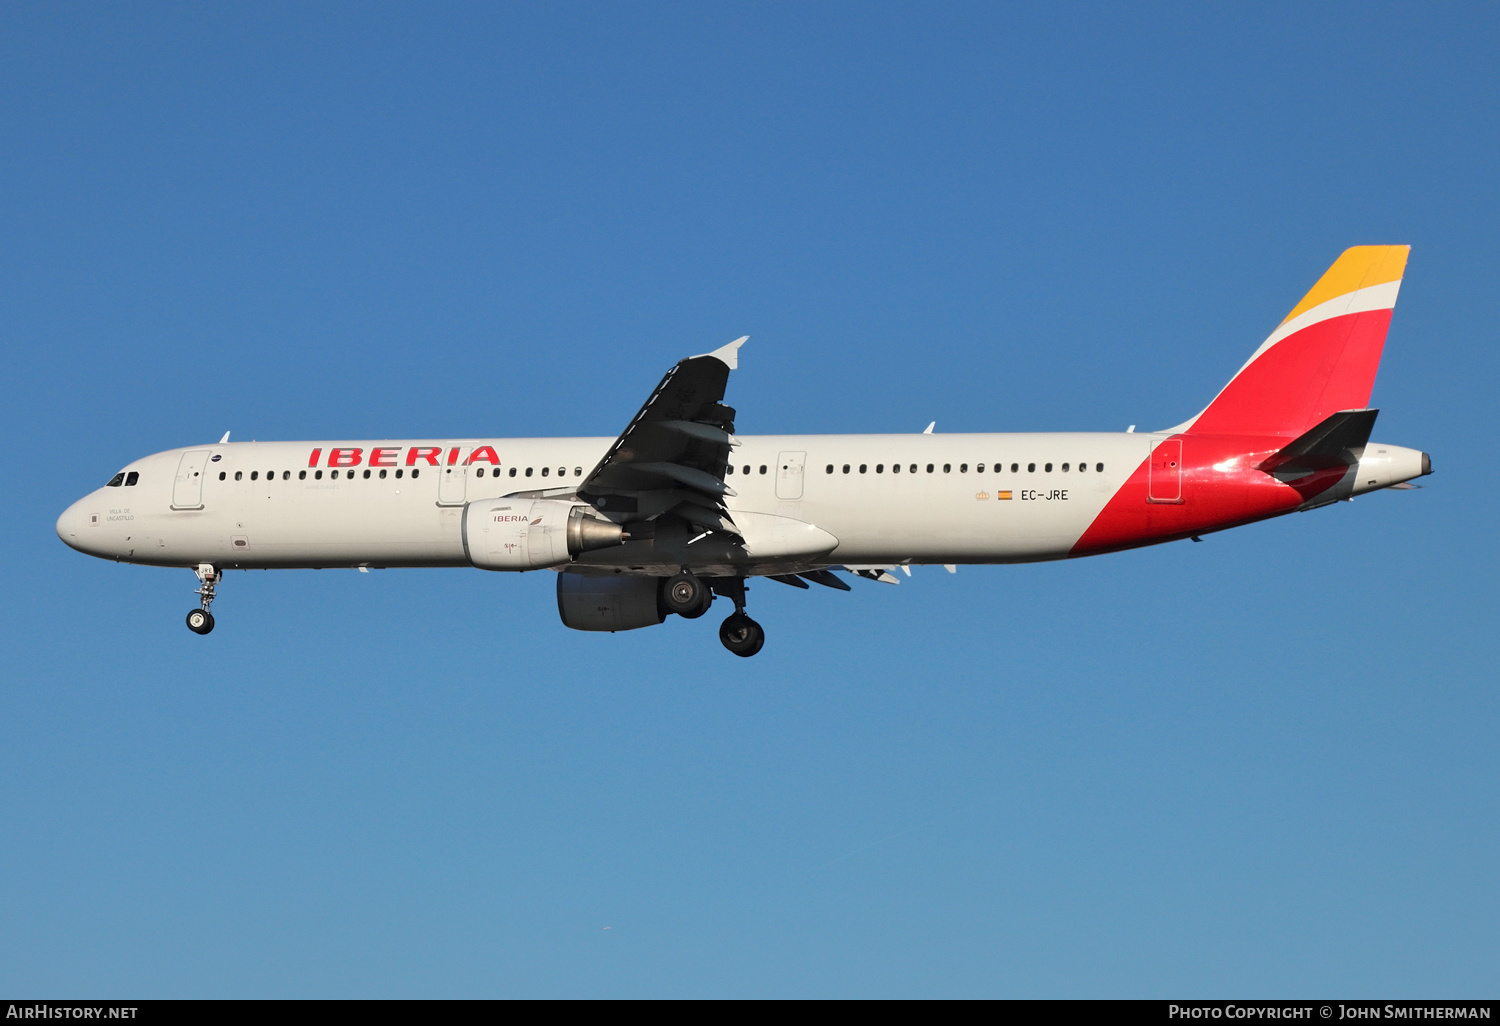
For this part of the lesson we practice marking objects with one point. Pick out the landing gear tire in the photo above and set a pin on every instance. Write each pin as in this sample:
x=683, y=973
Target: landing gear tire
x=200, y=620
x=687, y=596
x=742, y=635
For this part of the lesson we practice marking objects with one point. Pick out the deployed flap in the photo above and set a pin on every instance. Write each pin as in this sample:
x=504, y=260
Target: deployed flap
x=673, y=453
x=825, y=578
x=1338, y=441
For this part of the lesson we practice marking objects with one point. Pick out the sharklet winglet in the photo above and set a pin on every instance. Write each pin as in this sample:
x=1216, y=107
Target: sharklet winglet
x=729, y=355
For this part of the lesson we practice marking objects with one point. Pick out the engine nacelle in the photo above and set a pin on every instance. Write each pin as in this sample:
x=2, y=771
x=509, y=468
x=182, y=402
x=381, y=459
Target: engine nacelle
x=530, y=534
x=618, y=602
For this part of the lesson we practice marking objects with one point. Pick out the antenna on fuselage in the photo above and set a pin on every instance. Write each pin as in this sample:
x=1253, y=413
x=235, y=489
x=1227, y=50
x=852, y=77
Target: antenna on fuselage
x=928, y=429
x=225, y=438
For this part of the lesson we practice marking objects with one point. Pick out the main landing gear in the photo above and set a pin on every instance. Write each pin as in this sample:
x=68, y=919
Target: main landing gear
x=742, y=635
x=201, y=621
x=738, y=633
x=689, y=596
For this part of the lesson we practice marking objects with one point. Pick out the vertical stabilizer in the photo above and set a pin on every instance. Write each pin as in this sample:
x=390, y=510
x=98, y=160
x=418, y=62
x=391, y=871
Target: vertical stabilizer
x=1323, y=356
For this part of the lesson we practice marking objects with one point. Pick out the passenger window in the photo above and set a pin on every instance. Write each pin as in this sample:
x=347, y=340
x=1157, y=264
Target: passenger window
x=528, y=471
x=479, y=472
x=929, y=468
x=730, y=469
x=562, y=471
x=301, y=475
x=1064, y=468
x=546, y=471
x=577, y=471
x=762, y=468
x=1031, y=468
x=830, y=468
x=254, y=474
x=895, y=468
x=351, y=475
x=1082, y=467
x=846, y=468
x=1099, y=468
x=398, y=475
x=1015, y=468
x=947, y=468
x=880, y=468
x=913, y=468
x=863, y=467
x=367, y=475
x=512, y=472
x=382, y=475
x=221, y=475
x=417, y=470
x=317, y=475
x=286, y=475
x=963, y=468
x=979, y=468
x=1048, y=468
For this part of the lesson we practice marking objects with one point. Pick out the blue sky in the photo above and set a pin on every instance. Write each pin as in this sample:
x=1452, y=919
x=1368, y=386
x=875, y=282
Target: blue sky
x=1260, y=765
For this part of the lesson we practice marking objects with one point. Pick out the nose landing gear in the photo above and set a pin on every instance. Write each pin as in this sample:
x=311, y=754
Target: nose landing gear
x=201, y=621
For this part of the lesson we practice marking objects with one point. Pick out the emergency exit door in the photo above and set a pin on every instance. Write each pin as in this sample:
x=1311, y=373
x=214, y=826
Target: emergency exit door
x=1165, y=472
x=453, y=479
x=789, y=474
x=187, y=490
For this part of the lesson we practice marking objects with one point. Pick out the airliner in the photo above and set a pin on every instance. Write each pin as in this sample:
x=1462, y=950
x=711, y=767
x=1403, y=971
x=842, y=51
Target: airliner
x=680, y=510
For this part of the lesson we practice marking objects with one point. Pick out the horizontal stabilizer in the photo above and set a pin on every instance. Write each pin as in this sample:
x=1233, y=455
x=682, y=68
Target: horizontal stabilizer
x=1338, y=441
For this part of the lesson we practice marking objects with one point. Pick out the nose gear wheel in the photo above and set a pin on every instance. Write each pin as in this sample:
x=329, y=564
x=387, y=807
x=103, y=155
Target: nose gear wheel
x=200, y=620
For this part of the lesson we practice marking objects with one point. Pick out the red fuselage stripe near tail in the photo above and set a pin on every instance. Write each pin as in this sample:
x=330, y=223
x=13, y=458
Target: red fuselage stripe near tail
x=1221, y=486
x=1291, y=387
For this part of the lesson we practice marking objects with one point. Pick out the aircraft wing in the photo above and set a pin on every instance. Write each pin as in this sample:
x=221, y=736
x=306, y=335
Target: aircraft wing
x=671, y=457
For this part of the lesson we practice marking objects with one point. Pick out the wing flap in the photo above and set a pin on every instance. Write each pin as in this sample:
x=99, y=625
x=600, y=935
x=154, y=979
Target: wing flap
x=676, y=447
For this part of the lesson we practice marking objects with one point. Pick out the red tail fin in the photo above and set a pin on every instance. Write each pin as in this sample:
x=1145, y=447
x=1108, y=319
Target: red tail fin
x=1321, y=359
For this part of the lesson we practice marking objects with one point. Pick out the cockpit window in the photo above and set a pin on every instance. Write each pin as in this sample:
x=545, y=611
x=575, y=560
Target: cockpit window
x=117, y=480
x=131, y=478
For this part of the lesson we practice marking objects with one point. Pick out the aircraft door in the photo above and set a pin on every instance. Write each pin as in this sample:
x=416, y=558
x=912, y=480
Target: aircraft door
x=454, y=482
x=789, y=474
x=1165, y=472
x=187, y=490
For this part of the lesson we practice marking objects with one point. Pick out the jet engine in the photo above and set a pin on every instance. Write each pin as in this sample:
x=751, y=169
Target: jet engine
x=618, y=602
x=529, y=534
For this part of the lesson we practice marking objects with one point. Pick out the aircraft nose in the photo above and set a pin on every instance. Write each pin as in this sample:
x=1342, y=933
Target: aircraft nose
x=73, y=525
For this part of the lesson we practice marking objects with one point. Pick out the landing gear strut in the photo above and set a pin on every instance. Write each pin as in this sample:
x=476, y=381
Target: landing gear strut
x=201, y=621
x=740, y=634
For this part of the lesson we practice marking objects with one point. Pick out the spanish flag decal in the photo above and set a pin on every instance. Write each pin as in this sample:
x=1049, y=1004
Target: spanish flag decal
x=1003, y=495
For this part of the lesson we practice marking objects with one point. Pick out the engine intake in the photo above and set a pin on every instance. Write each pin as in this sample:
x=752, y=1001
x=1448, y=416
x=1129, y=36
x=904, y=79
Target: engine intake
x=530, y=534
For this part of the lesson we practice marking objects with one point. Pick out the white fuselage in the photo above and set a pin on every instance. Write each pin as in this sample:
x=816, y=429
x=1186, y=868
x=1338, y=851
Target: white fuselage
x=972, y=498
